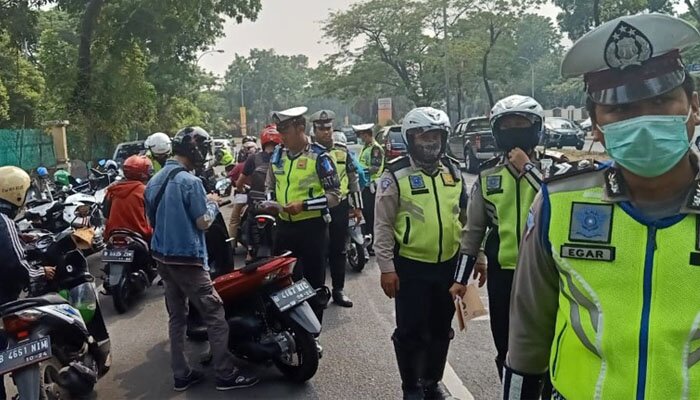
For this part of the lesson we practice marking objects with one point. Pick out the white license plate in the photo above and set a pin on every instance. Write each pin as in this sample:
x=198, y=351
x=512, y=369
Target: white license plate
x=293, y=295
x=118, y=255
x=25, y=354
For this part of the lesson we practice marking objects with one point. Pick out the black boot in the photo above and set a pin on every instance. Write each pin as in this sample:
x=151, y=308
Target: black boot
x=499, y=364
x=341, y=299
x=408, y=360
x=436, y=359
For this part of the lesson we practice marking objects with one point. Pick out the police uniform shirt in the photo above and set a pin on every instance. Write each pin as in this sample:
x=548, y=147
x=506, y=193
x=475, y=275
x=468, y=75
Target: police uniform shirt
x=326, y=172
x=385, y=211
x=353, y=178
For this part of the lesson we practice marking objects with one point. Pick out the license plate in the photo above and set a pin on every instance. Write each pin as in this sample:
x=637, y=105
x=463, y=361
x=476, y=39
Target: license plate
x=293, y=295
x=117, y=255
x=25, y=354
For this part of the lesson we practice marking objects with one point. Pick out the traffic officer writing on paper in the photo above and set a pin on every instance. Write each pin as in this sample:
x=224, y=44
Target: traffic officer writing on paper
x=304, y=180
x=499, y=205
x=350, y=198
x=419, y=200
x=605, y=298
x=372, y=161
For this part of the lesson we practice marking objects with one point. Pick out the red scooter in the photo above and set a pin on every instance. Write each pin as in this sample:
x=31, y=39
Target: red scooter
x=269, y=316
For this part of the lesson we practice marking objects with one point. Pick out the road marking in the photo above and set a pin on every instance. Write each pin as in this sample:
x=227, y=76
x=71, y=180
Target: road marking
x=455, y=385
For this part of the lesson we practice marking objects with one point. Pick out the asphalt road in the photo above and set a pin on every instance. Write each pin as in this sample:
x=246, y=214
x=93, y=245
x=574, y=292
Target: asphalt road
x=358, y=360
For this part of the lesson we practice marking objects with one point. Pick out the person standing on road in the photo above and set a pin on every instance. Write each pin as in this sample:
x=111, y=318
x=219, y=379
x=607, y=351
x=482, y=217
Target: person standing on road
x=498, y=208
x=350, y=198
x=419, y=201
x=372, y=161
x=158, y=149
x=180, y=211
x=605, y=298
x=254, y=174
x=247, y=150
x=304, y=180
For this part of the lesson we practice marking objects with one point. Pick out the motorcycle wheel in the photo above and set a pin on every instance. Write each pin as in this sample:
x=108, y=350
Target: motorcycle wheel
x=50, y=389
x=356, y=257
x=306, y=356
x=122, y=295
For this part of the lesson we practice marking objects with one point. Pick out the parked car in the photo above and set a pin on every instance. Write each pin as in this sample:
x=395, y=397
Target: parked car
x=471, y=141
x=560, y=132
x=586, y=125
x=128, y=149
x=350, y=134
x=391, y=138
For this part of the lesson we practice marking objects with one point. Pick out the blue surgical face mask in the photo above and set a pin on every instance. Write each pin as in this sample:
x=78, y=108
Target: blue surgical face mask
x=649, y=145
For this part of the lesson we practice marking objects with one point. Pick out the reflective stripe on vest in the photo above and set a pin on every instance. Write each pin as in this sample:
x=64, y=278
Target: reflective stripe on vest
x=366, y=160
x=427, y=226
x=340, y=158
x=508, y=201
x=629, y=303
x=297, y=180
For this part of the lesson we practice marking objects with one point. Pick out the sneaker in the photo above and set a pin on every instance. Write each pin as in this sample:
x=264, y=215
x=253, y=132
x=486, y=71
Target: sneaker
x=237, y=381
x=194, y=377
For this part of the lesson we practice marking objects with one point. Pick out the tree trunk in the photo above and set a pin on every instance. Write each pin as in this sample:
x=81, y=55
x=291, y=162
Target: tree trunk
x=596, y=12
x=484, y=75
x=459, y=95
x=693, y=11
x=81, y=93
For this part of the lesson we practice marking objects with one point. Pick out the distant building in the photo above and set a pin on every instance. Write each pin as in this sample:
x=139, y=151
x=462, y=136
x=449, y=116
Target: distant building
x=570, y=112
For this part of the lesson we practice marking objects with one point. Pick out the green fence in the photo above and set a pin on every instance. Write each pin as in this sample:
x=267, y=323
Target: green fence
x=26, y=148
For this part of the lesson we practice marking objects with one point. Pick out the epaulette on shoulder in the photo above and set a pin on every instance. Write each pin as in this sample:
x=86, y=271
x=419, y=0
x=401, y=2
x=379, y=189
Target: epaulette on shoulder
x=398, y=164
x=557, y=171
x=555, y=156
x=490, y=163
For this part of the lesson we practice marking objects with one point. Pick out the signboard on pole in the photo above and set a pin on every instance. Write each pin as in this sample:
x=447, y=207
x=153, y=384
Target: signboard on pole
x=244, y=122
x=384, y=107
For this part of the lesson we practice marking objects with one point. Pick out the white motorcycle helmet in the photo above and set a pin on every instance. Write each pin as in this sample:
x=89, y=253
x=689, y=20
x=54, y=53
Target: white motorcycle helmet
x=159, y=144
x=423, y=119
x=524, y=106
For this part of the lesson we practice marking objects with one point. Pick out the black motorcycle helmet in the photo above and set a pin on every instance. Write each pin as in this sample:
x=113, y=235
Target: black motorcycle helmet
x=193, y=143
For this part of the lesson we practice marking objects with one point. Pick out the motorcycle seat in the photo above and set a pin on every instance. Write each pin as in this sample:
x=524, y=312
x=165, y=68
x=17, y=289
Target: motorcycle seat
x=21, y=304
x=252, y=267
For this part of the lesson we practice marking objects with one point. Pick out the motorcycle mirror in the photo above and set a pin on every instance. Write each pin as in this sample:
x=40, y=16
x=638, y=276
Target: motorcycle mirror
x=67, y=188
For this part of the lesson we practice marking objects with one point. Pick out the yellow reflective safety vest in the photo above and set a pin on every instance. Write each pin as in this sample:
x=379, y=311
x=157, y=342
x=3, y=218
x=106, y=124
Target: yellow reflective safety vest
x=341, y=158
x=427, y=226
x=366, y=159
x=508, y=200
x=628, y=324
x=297, y=180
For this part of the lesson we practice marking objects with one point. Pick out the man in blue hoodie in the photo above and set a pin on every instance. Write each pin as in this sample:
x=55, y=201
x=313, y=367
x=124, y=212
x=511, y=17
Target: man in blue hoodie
x=180, y=212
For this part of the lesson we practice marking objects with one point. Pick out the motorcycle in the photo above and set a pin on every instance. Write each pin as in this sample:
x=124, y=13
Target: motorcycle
x=129, y=268
x=58, y=342
x=83, y=210
x=270, y=318
x=356, y=245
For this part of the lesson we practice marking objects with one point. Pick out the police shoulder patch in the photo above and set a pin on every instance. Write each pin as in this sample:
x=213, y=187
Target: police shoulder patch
x=590, y=222
x=490, y=163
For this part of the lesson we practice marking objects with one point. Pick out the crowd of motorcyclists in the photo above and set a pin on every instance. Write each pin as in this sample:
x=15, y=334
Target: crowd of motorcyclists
x=542, y=231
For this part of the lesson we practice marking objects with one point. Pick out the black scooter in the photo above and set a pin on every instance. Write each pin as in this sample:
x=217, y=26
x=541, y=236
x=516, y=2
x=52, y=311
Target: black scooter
x=58, y=342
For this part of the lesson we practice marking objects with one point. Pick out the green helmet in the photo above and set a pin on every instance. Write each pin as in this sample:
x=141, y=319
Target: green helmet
x=61, y=177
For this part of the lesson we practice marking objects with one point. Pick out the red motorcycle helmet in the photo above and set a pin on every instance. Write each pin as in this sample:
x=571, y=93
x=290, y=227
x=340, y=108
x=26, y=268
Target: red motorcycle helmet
x=270, y=135
x=138, y=168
